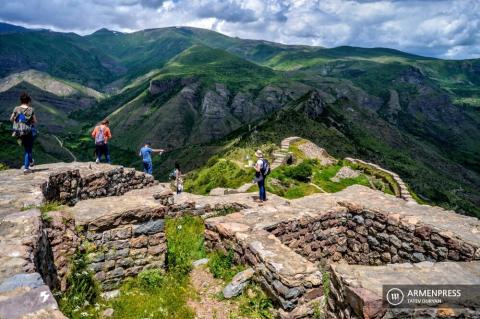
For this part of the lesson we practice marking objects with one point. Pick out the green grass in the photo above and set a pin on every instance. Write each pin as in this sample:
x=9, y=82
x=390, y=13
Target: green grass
x=392, y=188
x=295, y=150
x=83, y=291
x=153, y=294
x=322, y=179
x=255, y=304
x=222, y=266
x=185, y=243
x=218, y=173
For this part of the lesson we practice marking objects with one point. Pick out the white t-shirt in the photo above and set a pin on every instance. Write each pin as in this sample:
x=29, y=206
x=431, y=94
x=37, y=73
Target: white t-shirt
x=260, y=163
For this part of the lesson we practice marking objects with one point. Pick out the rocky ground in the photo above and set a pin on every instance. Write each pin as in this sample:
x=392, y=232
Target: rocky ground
x=209, y=302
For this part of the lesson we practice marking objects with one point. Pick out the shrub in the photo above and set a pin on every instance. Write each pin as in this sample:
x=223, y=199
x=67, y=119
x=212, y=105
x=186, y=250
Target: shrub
x=300, y=172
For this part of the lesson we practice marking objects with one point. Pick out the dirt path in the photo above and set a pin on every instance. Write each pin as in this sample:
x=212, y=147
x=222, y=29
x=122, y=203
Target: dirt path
x=66, y=149
x=208, y=304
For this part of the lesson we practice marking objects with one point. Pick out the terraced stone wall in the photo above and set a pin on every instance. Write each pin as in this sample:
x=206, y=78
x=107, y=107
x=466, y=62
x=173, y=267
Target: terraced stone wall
x=70, y=185
x=365, y=237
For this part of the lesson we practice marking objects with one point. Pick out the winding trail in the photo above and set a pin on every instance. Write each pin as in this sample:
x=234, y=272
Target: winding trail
x=66, y=149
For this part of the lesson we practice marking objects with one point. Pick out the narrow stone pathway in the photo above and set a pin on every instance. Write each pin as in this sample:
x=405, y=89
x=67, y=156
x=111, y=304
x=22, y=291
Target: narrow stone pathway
x=281, y=155
x=208, y=303
x=245, y=187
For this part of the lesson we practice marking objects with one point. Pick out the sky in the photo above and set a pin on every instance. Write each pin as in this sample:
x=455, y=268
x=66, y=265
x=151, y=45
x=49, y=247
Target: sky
x=440, y=28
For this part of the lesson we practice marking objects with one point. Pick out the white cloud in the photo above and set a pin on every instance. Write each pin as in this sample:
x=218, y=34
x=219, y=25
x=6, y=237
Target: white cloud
x=449, y=29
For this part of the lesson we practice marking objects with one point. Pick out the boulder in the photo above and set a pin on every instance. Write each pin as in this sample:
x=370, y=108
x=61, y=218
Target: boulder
x=238, y=283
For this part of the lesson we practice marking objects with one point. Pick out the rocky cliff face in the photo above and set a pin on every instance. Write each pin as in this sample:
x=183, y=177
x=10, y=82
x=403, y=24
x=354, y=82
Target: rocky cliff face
x=180, y=111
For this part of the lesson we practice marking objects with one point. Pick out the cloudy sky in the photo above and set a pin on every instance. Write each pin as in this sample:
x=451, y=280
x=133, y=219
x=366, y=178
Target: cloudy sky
x=440, y=28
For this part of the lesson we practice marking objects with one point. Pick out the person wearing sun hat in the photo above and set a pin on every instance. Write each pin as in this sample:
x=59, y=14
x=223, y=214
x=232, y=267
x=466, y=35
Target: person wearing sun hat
x=262, y=169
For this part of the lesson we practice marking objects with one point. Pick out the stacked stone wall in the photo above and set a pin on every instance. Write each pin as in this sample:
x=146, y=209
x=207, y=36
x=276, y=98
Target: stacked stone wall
x=126, y=250
x=69, y=186
x=371, y=238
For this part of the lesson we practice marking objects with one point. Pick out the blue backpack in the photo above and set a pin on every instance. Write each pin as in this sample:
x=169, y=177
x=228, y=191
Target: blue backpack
x=22, y=124
x=265, y=170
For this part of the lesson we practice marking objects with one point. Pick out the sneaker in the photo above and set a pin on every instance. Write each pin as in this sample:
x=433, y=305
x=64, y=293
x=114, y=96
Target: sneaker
x=97, y=161
x=32, y=163
x=27, y=171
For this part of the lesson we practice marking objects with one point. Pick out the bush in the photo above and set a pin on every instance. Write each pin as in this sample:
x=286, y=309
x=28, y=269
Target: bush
x=184, y=242
x=300, y=172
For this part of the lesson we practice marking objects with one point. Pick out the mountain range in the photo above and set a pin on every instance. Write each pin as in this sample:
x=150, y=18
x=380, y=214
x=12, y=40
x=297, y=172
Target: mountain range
x=196, y=93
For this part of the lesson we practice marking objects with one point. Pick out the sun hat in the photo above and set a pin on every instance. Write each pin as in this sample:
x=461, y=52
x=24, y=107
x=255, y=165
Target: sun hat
x=258, y=153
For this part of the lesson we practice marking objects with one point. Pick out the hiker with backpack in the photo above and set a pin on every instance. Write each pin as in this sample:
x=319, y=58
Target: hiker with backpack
x=262, y=169
x=24, y=120
x=146, y=154
x=101, y=134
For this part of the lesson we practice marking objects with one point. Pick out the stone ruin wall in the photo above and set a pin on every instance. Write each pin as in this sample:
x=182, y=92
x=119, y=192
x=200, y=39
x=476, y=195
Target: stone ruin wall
x=288, y=293
x=366, y=237
x=69, y=186
x=119, y=246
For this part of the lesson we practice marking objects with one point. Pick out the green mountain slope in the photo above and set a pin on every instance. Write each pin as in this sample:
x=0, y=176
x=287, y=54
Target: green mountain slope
x=198, y=93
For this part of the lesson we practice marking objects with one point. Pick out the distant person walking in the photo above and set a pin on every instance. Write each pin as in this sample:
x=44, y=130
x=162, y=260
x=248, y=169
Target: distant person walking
x=262, y=169
x=178, y=179
x=101, y=134
x=146, y=154
x=24, y=120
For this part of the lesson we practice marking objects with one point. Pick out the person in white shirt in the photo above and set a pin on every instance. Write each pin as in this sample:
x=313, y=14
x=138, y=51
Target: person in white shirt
x=260, y=177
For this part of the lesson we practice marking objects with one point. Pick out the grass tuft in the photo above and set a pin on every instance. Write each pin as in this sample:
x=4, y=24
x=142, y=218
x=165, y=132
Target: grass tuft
x=222, y=266
x=82, y=292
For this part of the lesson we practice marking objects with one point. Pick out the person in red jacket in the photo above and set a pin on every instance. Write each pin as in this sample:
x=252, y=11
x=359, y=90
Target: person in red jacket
x=101, y=134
